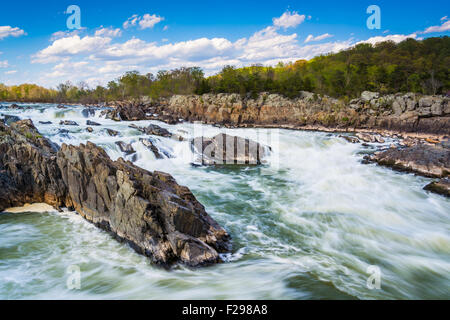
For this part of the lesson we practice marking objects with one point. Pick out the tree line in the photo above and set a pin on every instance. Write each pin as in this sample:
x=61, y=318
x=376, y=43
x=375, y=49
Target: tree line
x=387, y=67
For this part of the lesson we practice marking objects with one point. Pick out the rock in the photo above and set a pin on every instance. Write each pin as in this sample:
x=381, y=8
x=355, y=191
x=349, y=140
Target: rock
x=88, y=112
x=445, y=144
x=441, y=187
x=436, y=109
x=224, y=149
x=112, y=133
x=68, y=123
x=367, y=95
x=10, y=119
x=425, y=102
x=427, y=160
x=14, y=106
x=125, y=147
x=61, y=106
x=350, y=139
x=63, y=131
x=147, y=210
x=45, y=122
x=89, y=129
x=149, y=144
x=153, y=130
x=92, y=123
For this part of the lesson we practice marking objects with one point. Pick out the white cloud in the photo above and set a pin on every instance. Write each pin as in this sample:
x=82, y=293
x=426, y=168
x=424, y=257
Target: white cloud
x=8, y=31
x=311, y=38
x=445, y=26
x=395, y=38
x=444, y=18
x=145, y=22
x=149, y=21
x=108, y=32
x=131, y=21
x=4, y=64
x=65, y=34
x=10, y=72
x=288, y=20
x=69, y=47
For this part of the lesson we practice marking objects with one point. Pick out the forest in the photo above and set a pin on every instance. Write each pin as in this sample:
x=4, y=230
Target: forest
x=387, y=67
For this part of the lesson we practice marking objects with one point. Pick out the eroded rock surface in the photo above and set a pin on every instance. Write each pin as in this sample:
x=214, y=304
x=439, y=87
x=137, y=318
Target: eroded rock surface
x=224, y=149
x=441, y=187
x=149, y=210
x=427, y=160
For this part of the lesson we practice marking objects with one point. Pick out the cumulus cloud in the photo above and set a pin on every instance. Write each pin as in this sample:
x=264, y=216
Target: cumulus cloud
x=65, y=34
x=444, y=18
x=70, y=46
x=311, y=38
x=395, y=38
x=108, y=32
x=8, y=31
x=147, y=21
x=10, y=72
x=445, y=26
x=289, y=20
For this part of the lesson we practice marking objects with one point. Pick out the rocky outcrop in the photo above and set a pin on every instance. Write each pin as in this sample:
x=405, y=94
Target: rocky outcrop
x=441, y=187
x=148, y=210
x=426, y=160
x=224, y=149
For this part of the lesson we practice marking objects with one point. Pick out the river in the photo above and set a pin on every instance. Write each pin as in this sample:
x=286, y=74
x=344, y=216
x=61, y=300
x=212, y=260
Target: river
x=311, y=223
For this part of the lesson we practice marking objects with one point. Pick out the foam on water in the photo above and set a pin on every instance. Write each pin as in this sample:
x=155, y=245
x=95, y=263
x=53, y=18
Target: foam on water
x=306, y=225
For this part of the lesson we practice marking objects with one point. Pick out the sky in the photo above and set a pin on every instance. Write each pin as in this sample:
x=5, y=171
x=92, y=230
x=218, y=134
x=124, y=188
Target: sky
x=37, y=46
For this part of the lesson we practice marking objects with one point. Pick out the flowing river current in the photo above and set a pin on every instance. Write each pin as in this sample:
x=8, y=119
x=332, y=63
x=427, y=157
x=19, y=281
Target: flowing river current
x=311, y=223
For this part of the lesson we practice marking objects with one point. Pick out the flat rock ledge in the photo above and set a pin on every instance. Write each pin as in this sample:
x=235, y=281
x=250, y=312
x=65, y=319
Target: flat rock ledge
x=426, y=160
x=148, y=210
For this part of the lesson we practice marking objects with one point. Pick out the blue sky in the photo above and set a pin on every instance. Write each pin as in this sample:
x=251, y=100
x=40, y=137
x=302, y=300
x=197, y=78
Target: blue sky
x=37, y=47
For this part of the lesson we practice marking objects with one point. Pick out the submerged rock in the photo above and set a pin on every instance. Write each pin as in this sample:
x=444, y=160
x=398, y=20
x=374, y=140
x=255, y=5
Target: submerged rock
x=112, y=133
x=10, y=119
x=225, y=149
x=149, y=144
x=441, y=187
x=147, y=210
x=125, y=147
x=88, y=112
x=92, y=123
x=153, y=130
x=68, y=123
x=89, y=129
x=45, y=122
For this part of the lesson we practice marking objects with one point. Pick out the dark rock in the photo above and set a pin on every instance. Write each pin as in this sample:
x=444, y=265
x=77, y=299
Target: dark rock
x=350, y=139
x=92, y=123
x=45, y=122
x=225, y=149
x=149, y=144
x=89, y=129
x=61, y=106
x=112, y=133
x=147, y=210
x=68, y=123
x=153, y=130
x=10, y=119
x=125, y=147
x=88, y=112
x=427, y=160
x=441, y=187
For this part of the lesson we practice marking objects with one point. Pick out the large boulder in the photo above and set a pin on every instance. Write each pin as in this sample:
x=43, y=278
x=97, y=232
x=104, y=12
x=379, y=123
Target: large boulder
x=148, y=210
x=441, y=187
x=224, y=149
